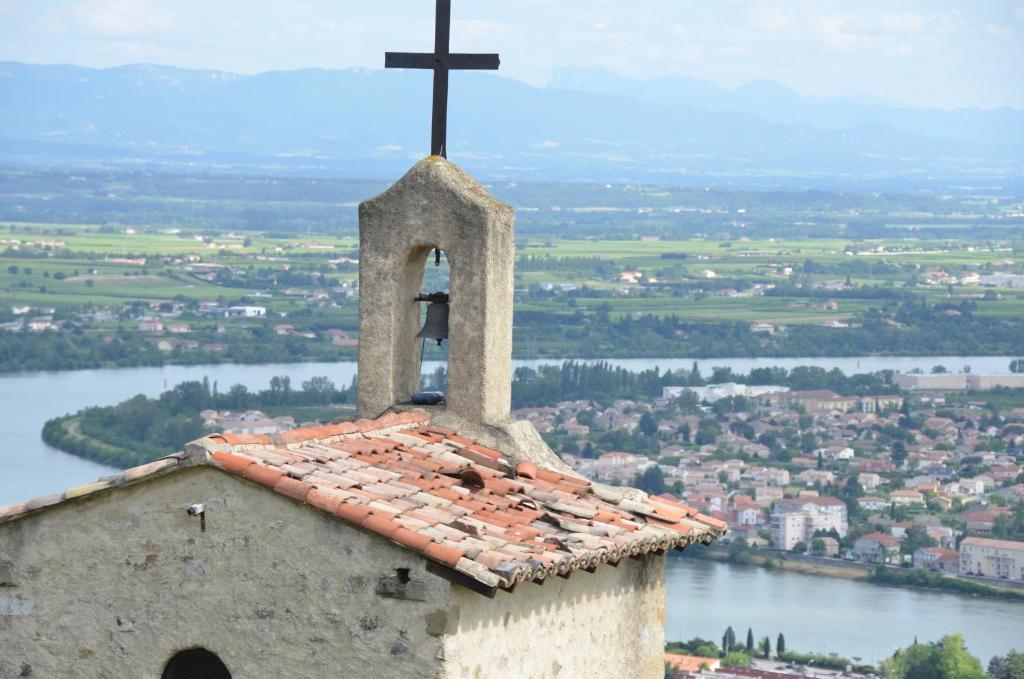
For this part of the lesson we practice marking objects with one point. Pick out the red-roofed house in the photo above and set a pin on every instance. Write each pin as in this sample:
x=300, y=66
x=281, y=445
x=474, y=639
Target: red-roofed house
x=876, y=547
x=691, y=663
x=937, y=560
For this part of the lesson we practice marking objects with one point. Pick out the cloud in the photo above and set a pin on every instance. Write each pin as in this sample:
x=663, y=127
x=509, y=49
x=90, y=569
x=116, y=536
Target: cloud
x=902, y=23
x=123, y=17
x=928, y=52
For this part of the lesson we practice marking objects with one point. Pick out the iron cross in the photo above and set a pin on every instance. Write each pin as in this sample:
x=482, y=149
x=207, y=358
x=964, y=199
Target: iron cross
x=441, y=61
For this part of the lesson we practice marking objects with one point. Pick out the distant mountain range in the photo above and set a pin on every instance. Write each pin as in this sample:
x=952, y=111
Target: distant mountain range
x=588, y=125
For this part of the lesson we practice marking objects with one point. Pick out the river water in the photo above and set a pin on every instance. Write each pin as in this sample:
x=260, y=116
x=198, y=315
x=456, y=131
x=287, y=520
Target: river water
x=815, y=614
x=820, y=614
x=29, y=468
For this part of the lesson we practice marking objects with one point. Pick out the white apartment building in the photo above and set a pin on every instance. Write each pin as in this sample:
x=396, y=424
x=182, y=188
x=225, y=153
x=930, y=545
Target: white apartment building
x=788, y=530
x=798, y=519
x=992, y=558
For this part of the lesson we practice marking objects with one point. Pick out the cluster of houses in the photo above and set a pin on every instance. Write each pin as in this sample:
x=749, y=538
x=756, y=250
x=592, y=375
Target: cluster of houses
x=956, y=474
x=247, y=422
x=162, y=321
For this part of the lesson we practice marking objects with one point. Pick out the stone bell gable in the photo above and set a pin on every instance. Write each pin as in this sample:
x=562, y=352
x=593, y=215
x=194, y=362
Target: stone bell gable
x=437, y=205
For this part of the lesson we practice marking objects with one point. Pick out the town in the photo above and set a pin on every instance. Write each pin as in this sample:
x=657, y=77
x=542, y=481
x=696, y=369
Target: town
x=911, y=480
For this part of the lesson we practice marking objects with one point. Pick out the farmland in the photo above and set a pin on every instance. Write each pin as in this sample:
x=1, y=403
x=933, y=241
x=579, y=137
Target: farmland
x=600, y=271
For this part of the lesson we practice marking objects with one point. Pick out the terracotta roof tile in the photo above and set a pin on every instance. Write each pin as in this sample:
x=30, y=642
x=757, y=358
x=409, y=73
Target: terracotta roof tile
x=293, y=488
x=265, y=476
x=233, y=463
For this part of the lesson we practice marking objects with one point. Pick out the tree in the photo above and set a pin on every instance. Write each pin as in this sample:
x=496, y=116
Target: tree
x=728, y=640
x=648, y=426
x=750, y=641
x=650, y=480
x=899, y=453
x=818, y=547
x=916, y=538
x=319, y=390
x=946, y=658
x=706, y=650
x=736, y=659
x=708, y=433
x=684, y=431
x=766, y=647
x=780, y=646
x=739, y=551
x=1009, y=666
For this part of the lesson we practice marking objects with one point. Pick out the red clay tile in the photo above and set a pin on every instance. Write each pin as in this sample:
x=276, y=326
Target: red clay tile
x=443, y=553
x=381, y=524
x=352, y=512
x=711, y=521
x=682, y=528
x=502, y=487
x=236, y=464
x=411, y=539
x=293, y=488
x=265, y=476
x=561, y=479
x=484, y=450
x=526, y=469
x=243, y=439
x=323, y=500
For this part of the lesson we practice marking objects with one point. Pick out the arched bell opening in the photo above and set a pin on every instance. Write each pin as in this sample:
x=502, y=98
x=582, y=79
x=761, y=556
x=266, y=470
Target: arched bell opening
x=435, y=302
x=195, y=663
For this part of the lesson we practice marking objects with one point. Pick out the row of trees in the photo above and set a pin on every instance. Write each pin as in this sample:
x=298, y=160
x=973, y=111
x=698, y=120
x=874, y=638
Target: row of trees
x=919, y=330
x=947, y=658
x=763, y=647
x=141, y=429
x=603, y=383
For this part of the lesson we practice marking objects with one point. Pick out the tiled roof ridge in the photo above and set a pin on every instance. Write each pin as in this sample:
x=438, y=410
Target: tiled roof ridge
x=458, y=502
x=131, y=475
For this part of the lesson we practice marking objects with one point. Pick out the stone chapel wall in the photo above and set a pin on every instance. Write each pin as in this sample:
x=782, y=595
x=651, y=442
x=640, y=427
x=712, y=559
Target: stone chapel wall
x=114, y=585
x=609, y=623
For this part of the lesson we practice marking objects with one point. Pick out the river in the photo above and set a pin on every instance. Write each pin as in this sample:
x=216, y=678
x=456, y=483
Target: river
x=29, y=468
x=815, y=613
x=820, y=614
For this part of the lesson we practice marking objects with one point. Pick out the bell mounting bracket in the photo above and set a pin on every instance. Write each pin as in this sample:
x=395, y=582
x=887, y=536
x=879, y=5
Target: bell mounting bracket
x=434, y=297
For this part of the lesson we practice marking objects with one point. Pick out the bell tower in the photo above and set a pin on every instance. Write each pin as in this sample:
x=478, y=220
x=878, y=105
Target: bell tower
x=436, y=205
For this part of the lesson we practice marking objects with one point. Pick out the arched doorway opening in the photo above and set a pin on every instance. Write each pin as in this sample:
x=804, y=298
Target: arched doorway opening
x=195, y=663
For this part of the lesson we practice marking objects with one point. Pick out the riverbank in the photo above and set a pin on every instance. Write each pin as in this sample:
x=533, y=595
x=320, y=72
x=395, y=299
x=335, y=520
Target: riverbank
x=65, y=434
x=854, y=570
x=52, y=350
x=848, y=570
x=855, y=618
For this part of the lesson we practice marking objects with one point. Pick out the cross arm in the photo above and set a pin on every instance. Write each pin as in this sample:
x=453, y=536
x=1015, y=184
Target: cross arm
x=475, y=62
x=408, y=60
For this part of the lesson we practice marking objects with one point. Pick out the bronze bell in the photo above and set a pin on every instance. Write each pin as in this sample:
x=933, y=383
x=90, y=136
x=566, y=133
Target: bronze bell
x=436, y=325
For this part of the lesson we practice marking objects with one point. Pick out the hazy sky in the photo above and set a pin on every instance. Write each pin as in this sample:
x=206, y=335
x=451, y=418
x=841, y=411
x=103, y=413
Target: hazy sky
x=923, y=52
